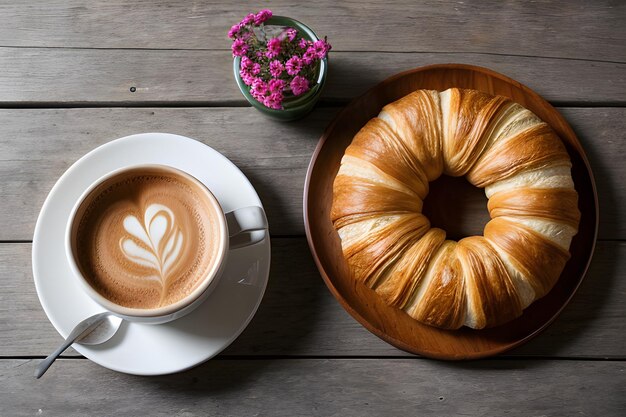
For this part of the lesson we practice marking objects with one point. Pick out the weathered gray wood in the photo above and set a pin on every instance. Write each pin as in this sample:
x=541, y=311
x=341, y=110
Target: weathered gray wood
x=84, y=76
x=330, y=387
x=273, y=155
x=592, y=320
x=577, y=29
x=602, y=132
x=299, y=316
x=37, y=145
x=570, y=52
x=20, y=310
x=23, y=321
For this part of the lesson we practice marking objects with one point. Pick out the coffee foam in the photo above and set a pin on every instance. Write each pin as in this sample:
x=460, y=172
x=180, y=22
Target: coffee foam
x=147, y=238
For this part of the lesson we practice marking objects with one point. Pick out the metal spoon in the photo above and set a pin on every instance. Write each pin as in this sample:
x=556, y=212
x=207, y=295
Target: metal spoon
x=91, y=331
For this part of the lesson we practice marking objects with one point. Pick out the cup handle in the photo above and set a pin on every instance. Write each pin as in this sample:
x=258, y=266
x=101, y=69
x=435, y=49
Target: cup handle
x=242, y=221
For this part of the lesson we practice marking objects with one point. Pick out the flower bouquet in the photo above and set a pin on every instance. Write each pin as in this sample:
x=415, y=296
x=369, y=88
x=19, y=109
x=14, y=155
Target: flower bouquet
x=280, y=64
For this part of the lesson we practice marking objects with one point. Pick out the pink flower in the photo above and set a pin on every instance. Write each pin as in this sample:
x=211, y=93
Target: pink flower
x=262, y=16
x=299, y=85
x=273, y=48
x=303, y=44
x=234, y=31
x=291, y=34
x=259, y=88
x=239, y=47
x=321, y=48
x=246, y=77
x=293, y=65
x=246, y=63
x=309, y=56
x=274, y=100
x=247, y=20
x=276, y=68
x=276, y=84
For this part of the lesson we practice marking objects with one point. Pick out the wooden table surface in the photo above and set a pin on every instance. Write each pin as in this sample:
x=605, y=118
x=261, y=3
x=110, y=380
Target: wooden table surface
x=66, y=72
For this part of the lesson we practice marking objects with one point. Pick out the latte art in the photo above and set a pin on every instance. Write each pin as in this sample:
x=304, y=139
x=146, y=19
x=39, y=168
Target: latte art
x=147, y=238
x=156, y=243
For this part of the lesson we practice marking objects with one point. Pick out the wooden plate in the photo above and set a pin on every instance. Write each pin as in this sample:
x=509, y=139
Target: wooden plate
x=393, y=325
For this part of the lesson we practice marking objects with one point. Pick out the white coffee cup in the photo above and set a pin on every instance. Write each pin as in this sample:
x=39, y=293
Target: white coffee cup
x=234, y=226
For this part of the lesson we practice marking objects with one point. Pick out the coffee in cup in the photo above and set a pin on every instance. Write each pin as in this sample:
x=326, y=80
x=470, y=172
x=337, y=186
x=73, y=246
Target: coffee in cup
x=149, y=241
x=147, y=237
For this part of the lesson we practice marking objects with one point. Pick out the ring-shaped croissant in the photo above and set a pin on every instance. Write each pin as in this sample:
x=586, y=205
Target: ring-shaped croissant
x=498, y=145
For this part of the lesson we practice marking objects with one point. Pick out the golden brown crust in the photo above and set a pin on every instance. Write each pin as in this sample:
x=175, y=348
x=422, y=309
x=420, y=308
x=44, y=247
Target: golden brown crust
x=443, y=302
x=479, y=281
x=399, y=286
x=417, y=122
x=492, y=296
x=555, y=204
x=357, y=195
x=372, y=256
x=377, y=144
x=533, y=148
x=529, y=252
x=469, y=117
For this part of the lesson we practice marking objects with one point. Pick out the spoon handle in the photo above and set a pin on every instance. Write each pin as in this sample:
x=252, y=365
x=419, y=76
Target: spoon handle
x=45, y=364
x=82, y=329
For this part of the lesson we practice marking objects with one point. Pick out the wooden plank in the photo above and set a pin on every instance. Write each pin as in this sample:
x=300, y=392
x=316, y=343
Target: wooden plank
x=299, y=316
x=38, y=145
x=333, y=387
x=579, y=29
x=602, y=136
x=88, y=76
x=273, y=157
x=591, y=318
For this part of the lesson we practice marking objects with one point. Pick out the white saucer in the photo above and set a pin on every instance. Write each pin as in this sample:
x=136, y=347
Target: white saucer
x=139, y=348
